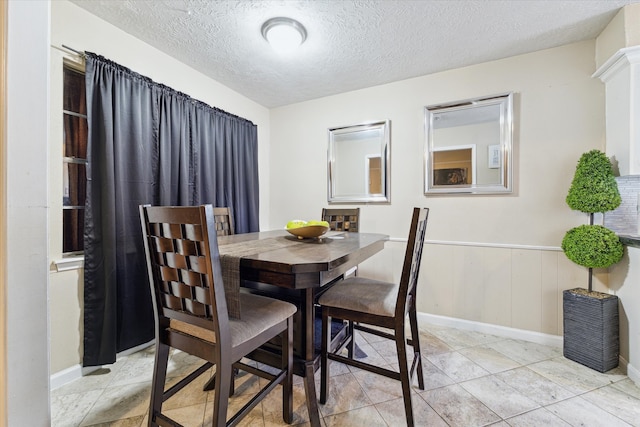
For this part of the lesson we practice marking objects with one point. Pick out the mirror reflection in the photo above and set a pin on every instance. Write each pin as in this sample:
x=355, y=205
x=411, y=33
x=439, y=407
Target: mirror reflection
x=358, y=163
x=469, y=145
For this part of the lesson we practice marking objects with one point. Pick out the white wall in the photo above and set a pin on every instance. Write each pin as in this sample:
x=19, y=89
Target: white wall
x=492, y=259
x=72, y=26
x=27, y=208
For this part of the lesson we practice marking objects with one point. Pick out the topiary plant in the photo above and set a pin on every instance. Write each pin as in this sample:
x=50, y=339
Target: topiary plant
x=593, y=189
x=592, y=246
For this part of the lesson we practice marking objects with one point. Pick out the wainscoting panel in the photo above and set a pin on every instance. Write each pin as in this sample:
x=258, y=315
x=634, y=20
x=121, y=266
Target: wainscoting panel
x=435, y=273
x=526, y=280
x=496, y=292
x=551, y=307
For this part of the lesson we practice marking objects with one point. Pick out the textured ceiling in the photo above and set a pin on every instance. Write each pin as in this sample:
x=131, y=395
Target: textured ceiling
x=351, y=44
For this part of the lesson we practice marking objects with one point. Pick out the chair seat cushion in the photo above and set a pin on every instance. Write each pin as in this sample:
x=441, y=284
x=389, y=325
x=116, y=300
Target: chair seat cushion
x=258, y=314
x=363, y=295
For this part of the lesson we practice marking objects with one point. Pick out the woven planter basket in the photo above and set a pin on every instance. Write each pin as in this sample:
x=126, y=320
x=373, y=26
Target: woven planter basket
x=591, y=335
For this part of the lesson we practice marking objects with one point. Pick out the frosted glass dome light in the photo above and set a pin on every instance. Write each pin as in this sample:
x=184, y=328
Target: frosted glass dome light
x=284, y=34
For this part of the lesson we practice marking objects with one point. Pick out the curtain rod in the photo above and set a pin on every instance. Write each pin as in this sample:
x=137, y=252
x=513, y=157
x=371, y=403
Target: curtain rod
x=68, y=49
x=77, y=52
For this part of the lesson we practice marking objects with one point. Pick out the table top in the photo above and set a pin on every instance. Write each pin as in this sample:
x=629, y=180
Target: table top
x=280, y=252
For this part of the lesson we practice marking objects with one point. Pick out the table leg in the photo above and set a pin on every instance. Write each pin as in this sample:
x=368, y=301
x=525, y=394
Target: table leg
x=309, y=366
x=310, y=391
x=309, y=325
x=304, y=359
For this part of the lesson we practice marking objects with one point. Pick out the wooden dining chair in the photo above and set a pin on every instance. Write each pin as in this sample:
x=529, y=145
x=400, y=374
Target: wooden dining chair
x=342, y=219
x=190, y=312
x=380, y=304
x=224, y=221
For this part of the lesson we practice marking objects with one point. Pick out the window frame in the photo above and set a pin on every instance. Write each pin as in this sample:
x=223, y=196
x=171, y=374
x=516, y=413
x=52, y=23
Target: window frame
x=79, y=68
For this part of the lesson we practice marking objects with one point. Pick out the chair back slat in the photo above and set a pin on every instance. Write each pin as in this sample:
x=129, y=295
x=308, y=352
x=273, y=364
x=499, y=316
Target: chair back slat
x=342, y=219
x=412, y=261
x=197, y=264
x=223, y=221
x=171, y=231
x=184, y=266
x=193, y=232
x=187, y=247
x=175, y=260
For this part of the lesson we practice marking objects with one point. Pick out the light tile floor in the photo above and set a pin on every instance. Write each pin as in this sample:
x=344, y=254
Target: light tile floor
x=471, y=379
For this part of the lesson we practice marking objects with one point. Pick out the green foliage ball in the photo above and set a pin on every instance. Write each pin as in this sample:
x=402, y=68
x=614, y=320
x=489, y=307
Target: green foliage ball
x=592, y=246
x=594, y=187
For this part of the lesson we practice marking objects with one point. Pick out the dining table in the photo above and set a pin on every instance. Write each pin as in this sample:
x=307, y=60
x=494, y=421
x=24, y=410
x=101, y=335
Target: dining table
x=279, y=265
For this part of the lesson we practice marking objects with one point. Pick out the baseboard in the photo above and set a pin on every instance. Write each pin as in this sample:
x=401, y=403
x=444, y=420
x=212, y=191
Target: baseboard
x=72, y=373
x=65, y=377
x=632, y=372
x=487, y=328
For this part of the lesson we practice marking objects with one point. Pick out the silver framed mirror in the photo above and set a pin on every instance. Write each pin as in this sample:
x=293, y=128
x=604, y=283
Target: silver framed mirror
x=469, y=146
x=358, y=163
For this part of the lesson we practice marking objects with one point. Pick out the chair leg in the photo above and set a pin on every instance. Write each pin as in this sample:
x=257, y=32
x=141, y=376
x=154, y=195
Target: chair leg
x=415, y=338
x=211, y=384
x=352, y=343
x=287, y=363
x=401, y=346
x=324, y=356
x=232, y=386
x=159, y=377
x=224, y=374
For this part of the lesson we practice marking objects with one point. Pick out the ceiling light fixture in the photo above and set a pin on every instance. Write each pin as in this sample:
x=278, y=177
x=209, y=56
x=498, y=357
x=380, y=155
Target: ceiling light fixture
x=284, y=34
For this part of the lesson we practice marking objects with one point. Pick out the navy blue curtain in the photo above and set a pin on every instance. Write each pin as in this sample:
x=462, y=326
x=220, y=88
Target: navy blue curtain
x=149, y=144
